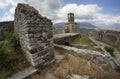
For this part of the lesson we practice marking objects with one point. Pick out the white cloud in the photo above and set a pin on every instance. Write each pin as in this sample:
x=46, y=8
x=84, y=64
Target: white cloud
x=5, y=3
x=107, y=19
x=46, y=7
x=54, y=10
x=7, y=17
x=14, y=2
x=88, y=13
x=79, y=10
x=12, y=10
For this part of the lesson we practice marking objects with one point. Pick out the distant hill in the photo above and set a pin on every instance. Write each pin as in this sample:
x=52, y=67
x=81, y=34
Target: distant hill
x=87, y=25
x=116, y=26
x=59, y=25
x=82, y=25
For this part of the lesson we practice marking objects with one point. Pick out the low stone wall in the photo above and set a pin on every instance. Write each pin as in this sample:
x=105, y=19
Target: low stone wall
x=111, y=37
x=65, y=37
x=79, y=46
x=92, y=56
x=35, y=35
x=7, y=26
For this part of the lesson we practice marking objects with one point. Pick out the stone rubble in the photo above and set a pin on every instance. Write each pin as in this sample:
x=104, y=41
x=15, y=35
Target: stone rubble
x=90, y=55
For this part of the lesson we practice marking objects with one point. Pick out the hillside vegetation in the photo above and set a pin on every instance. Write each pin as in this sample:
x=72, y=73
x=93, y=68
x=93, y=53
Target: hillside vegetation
x=12, y=59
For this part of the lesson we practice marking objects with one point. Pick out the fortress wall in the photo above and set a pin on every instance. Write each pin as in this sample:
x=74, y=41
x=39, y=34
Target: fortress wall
x=7, y=26
x=109, y=36
x=35, y=34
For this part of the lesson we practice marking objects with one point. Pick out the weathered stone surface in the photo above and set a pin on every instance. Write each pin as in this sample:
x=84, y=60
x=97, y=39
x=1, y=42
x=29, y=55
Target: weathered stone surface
x=7, y=26
x=111, y=37
x=92, y=56
x=35, y=34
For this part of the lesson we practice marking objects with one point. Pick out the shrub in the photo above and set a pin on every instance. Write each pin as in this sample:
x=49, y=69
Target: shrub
x=110, y=50
x=9, y=50
x=12, y=59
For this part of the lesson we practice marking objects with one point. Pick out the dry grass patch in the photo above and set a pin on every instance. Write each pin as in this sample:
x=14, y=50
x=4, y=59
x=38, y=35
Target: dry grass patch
x=77, y=65
x=74, y=64
x=84, y=41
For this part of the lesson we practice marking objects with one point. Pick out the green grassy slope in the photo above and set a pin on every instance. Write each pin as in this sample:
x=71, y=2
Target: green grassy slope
x=12, y=59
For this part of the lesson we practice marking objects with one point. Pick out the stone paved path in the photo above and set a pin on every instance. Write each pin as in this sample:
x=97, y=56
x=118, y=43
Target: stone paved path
x=23, y=74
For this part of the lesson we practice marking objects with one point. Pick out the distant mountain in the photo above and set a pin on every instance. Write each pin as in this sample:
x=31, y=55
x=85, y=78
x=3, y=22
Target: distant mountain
x=59, y=25
x=87, y=25
x=116, y=26
x=82, y=25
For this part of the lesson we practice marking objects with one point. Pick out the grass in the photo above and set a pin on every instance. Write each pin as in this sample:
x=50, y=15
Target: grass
x=118, y=47
x=84, y=41
x=12, y=58
x=60, y=40
x=110, y=50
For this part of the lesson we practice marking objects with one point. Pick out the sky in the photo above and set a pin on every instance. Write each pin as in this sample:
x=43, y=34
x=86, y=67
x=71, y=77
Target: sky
x=102, y=13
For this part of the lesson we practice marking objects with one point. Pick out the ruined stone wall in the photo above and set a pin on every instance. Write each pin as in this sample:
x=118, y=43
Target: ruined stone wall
x=109, y=36
x=6, y=26
x=35, y=34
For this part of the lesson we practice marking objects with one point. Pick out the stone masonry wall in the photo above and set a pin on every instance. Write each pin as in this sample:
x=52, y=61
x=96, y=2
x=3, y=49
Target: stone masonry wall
x=6, y=26
x=111, y=37
x=35, y=34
